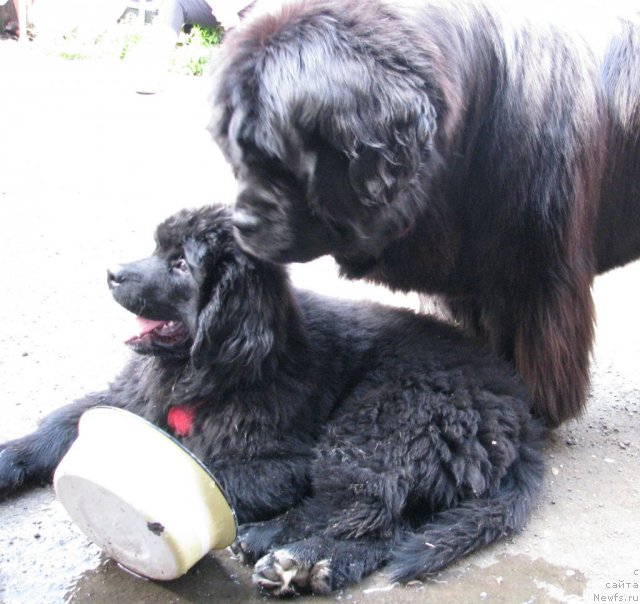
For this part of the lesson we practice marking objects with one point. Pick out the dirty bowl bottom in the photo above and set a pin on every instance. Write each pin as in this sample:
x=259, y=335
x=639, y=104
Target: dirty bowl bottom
x=122, y=532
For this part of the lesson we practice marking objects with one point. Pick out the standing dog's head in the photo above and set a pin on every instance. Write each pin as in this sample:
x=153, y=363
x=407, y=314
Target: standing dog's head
x=199, y=296
x=326, y=122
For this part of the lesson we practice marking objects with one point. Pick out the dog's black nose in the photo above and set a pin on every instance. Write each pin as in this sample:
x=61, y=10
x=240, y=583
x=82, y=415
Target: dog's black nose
x=115, y=276
x=246, y=223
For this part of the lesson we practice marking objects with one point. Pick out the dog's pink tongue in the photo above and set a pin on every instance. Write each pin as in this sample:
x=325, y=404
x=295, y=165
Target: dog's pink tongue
x=145, y=326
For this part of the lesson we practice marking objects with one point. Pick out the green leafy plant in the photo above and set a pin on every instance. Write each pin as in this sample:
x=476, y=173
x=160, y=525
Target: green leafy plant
x=195, y=49
x=130, y=40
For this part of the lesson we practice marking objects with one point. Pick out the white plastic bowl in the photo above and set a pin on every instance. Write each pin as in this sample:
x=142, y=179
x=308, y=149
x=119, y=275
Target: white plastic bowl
x=141, y=496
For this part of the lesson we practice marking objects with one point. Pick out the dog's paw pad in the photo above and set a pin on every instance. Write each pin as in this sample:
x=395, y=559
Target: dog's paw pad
x=281, y=574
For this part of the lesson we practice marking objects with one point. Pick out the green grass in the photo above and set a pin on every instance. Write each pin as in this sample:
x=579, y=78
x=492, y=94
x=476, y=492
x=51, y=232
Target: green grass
x=129, y=40
x=191, y=55
x=194, y=50
x=72, y=56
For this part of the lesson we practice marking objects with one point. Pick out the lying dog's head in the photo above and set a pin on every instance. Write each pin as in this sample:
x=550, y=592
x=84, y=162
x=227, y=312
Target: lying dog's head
x=199, y=296
x=326, y=123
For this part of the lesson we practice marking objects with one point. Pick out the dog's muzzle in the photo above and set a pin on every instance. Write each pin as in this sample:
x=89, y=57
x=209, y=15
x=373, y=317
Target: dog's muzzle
x=245, y=223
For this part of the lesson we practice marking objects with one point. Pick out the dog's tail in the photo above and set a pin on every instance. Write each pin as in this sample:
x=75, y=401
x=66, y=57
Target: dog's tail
x=454, y=533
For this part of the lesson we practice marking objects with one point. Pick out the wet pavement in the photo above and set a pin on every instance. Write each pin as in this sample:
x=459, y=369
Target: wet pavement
x=87, y=168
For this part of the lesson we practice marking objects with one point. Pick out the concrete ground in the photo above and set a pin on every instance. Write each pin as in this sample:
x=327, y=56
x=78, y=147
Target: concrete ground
x=87, y=168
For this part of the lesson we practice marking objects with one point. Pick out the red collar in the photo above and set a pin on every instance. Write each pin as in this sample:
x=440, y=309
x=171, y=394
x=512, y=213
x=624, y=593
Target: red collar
x=180, y=418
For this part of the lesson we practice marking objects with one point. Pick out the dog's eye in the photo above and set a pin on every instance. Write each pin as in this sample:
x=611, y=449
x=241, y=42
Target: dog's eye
x=180, y=265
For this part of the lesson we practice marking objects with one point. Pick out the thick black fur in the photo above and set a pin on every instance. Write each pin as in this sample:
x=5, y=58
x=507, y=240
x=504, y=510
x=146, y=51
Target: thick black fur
x=346, y=435
x=450, y=147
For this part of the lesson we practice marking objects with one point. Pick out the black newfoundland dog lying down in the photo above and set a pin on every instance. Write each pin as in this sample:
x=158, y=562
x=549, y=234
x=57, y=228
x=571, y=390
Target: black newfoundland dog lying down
x=449, y=147
x=346, y=435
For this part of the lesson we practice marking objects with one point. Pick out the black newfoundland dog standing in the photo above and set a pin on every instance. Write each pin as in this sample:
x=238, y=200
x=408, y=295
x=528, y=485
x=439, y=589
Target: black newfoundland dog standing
x=447, y=147
x=351, y=435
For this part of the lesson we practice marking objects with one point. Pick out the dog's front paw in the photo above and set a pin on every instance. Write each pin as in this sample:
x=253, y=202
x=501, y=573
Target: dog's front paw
x=281, y=574
x=12, y=470
x=256, y=539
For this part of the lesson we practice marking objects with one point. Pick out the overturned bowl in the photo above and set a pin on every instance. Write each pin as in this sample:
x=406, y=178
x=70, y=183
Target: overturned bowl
x=141, y=496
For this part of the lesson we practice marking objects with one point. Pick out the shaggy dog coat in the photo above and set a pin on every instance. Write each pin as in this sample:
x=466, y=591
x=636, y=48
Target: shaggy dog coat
x=449, y=147
x=345, y=435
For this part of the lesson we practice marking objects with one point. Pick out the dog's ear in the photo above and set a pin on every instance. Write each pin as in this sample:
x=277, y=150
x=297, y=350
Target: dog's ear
x=236, y=328
x=386, y=140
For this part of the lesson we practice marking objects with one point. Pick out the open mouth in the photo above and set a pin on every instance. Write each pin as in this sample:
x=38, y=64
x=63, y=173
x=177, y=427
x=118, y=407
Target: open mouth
x=163, y=333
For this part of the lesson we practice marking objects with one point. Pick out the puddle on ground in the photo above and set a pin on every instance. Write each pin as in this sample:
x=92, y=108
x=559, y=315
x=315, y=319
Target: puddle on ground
x=511, y=578
x=507, y=579
x=518, y=578
x=216, y=578
x=45, y=559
